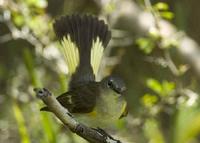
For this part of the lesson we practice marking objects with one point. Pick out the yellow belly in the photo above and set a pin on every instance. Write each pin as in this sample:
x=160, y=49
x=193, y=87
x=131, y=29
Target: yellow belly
x=108, y=110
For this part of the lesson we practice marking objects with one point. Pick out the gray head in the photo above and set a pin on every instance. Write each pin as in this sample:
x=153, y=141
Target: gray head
x=114, y=83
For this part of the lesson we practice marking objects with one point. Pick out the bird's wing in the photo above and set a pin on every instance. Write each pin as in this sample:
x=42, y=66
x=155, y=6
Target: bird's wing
x=79, y=103
x=80, y=100
x=83, y=40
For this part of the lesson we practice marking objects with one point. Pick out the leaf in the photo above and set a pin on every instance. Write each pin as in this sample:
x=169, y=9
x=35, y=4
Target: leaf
x=167, y=15
x=154, y=85
x=168, y=87
x=37, y=3
x=162, y=89
x=21, y=123
x=18, y=19
x=187, y=124
x=145, y=44
x=152, y=132
x=161, y=6
x=149, y=100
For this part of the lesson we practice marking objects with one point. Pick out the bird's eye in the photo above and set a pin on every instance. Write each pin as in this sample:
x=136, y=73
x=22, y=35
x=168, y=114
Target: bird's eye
x=109, y=83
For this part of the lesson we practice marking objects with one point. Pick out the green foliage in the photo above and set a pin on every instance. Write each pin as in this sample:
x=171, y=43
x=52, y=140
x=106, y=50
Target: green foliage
x=40, y=4
x=163, y=94
x=46, y=121
x=146, y=44
x=149, y=100
x=161, y=6
x=187, y=124
x=162, y=89
x=152, y=132
x=21, y=124
x=167, y=15
x=18, y=19
x=156, y=39
x=163, y=10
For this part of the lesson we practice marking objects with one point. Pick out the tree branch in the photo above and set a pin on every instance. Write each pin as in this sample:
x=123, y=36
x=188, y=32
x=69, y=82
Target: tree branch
x=90, y=134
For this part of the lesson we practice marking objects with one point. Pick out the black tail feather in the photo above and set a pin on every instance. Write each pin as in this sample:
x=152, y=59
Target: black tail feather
x=83, y=30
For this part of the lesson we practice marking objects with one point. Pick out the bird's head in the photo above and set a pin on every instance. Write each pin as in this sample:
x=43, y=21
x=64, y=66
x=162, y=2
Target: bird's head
x=114, y=83
x=113, y=88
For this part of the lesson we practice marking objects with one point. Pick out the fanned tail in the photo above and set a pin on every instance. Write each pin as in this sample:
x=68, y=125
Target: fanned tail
x=83, y=39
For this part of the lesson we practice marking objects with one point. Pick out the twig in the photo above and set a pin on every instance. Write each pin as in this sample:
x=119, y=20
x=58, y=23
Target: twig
x=171, y=64
x=90, y=134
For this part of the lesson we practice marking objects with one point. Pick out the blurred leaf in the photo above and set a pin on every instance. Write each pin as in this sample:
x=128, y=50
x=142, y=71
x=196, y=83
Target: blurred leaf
x=45, y=119
x=168, y=87
x=30, y=68
x=110, y=7
x=37, y=3
x=154, y=33
x=163, y=10
x=48, y=128
x=187, y=125
x=161, y=6
x=183, y=68
x=162, y=89
x=145, y=44
x=152, y=131
x=18, y=19
x=149, y=100
x=21, y=124
x=167, y=15
x=154, y=85
x=38, y=21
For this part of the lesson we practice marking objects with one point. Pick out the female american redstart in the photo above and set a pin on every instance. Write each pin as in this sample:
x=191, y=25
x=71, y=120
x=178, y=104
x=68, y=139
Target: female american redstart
x=83, y=40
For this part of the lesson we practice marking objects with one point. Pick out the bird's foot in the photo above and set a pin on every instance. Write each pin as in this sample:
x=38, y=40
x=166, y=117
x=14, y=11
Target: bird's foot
x=105, y=135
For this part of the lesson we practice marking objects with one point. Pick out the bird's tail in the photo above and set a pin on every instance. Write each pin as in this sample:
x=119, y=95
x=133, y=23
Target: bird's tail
x=83, y=39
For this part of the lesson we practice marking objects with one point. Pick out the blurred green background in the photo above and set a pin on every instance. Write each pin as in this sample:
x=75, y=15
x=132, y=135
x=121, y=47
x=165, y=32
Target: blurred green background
x=162, y=83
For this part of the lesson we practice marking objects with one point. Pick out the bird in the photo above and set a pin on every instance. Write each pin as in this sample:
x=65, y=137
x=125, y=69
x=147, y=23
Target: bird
x=83, y=39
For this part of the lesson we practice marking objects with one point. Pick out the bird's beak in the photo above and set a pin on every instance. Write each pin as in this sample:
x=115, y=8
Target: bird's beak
x=124, y=111
x=120, y=90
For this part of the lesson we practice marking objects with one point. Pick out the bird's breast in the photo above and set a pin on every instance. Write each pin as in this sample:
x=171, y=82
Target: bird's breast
x=107, y=110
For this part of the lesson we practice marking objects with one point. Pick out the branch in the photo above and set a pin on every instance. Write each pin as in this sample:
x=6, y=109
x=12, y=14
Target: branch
x=90, y=134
